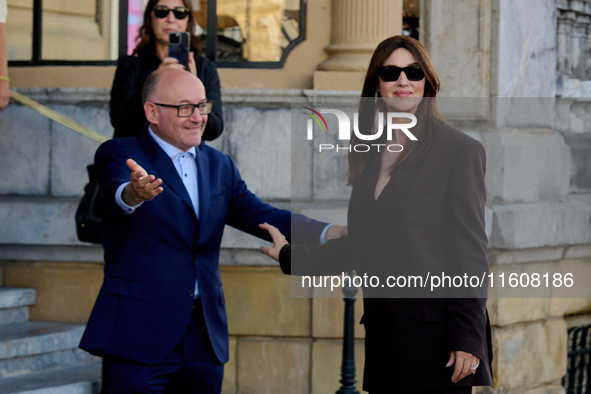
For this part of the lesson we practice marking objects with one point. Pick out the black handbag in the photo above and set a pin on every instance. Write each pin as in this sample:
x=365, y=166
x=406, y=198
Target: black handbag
x=88, y=226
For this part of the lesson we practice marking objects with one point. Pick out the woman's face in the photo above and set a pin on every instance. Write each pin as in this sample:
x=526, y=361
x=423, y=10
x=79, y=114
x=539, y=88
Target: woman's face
x=162, y=27
x=401, y=95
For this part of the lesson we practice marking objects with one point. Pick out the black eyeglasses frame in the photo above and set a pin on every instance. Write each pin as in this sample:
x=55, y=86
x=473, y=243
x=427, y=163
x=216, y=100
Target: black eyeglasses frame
x=209, y=107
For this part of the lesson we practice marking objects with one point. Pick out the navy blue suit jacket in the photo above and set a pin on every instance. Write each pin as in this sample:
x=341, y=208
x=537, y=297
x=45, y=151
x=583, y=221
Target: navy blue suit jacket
x=153, y=256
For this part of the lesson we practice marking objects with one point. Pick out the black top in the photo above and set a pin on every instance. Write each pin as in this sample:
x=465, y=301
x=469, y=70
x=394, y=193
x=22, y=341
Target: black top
x=285, y=259
x=127, y=111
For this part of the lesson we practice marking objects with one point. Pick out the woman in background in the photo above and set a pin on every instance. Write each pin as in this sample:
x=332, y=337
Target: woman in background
x=413, y=211
x=161, y=17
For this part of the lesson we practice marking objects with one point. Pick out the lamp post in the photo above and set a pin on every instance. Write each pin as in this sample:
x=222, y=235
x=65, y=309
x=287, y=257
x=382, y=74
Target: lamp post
x=348, y=365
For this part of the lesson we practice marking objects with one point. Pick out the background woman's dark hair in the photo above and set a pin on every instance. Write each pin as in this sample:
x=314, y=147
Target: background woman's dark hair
x=146, y=34
x=427, y=113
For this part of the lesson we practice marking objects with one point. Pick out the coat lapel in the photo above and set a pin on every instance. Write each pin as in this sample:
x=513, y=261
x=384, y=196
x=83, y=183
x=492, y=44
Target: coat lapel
x=164, y=167
x=401, y=179
x=384, y=214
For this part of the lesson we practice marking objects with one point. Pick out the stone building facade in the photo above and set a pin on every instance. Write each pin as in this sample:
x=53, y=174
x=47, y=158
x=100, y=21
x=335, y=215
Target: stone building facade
x=501, y=54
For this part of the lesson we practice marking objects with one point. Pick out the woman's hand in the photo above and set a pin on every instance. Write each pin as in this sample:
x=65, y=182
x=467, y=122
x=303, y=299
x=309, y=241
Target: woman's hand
x=192, y=65
x=336, y=232
x=279, y=241
x=171, y=62
x=466, y=364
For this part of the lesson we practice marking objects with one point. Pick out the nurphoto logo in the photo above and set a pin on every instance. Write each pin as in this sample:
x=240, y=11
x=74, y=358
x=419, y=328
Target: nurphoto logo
x=392, y=119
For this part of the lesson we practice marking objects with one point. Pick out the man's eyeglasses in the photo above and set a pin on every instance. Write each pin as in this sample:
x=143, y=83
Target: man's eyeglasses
x=186, y=110
x=163, y=11
x=392, y=73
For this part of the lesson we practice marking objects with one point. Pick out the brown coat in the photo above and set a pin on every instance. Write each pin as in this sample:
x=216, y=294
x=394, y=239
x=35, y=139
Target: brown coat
x=429, y=218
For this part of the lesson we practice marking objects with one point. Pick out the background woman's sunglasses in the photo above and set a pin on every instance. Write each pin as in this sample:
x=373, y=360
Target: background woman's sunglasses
x=162, y=11
x=392, y=73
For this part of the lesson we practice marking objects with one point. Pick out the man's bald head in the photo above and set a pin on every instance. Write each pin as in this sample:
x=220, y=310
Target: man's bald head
x=150, y=86
x=171, y=76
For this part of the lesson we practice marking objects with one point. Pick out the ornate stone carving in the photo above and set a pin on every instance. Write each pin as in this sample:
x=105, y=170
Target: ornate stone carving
x=573, y=47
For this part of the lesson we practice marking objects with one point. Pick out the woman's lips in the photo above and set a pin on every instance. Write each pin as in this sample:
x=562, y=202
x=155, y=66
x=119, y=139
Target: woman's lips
x=403, y=93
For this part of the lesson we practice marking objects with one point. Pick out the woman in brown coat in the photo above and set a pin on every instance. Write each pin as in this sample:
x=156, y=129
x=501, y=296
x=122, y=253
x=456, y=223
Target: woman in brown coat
x=414, y=212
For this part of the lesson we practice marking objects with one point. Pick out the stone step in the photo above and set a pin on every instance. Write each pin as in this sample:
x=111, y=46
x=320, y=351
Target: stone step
x=80, y=379
x=34, y=338
x=22, y=365
x=14, y=315
x=14, y=304
x=15, y=297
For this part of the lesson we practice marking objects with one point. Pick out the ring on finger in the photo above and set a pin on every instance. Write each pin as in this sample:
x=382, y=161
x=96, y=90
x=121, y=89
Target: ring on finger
x=474, y=367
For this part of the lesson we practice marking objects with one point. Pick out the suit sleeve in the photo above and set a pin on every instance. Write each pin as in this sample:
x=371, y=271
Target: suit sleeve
x=247, y=211
x=465, y=202
x=111, y=171
x=332, y=258
x=211, y=82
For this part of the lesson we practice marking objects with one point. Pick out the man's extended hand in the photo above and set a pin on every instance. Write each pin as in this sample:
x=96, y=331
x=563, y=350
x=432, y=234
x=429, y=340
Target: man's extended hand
x=466, y=364
x=336, y=231
x=278, y=241
x=142, y=187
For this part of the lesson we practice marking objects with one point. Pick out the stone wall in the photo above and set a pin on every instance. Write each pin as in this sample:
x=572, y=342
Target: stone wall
x=537, y=168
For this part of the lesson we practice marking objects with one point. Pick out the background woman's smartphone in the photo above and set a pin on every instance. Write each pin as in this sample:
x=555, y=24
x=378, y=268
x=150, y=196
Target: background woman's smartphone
x=178, y=47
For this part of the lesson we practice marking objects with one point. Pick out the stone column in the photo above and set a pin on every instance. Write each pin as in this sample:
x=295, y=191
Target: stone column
x=358, y=26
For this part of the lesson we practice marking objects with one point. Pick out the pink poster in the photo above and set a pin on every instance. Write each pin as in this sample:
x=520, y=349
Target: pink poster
x=134, y=22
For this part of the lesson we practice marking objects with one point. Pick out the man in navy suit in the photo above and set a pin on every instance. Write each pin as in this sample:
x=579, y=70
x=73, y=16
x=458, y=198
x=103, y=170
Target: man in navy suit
x=159, y=320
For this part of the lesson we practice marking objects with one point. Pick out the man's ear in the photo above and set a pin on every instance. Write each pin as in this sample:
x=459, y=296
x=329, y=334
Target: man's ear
x=151, y=112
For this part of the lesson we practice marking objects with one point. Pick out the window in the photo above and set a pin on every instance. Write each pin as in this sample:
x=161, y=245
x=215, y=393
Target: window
x=410, y=18
x=234, y=33
x=19, y=30
x=250, y=33
x=42, y=32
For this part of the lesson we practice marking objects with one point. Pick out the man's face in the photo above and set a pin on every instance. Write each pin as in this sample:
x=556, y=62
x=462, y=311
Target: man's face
x=178, y=87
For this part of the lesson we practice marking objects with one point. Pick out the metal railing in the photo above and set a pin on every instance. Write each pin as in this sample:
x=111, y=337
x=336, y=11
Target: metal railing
x=348, y=380
x=578, y=371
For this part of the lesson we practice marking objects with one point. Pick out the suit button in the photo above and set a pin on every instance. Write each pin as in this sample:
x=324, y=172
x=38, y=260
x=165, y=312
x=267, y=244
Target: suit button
x=191, y=293
x=414, y=224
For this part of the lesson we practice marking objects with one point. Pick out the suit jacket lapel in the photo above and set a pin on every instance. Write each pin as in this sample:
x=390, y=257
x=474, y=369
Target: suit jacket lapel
x=203, y=183
x=164, y=167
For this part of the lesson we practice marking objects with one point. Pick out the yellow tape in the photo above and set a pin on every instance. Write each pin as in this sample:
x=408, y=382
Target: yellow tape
x=51, y=114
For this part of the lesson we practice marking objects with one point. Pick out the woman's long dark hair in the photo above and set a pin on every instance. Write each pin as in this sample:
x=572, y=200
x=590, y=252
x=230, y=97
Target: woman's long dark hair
x=146, y=34
x=427, y=113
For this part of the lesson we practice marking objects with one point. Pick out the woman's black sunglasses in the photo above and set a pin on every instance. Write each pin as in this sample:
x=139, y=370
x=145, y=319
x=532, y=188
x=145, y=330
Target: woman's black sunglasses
x=162, y=11
x=392, y=73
